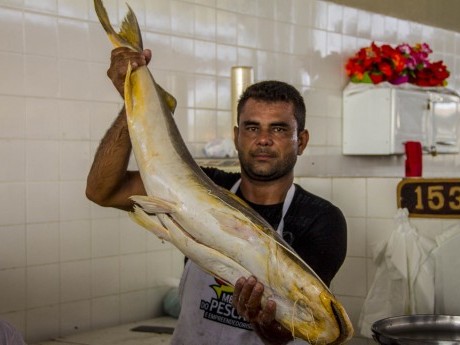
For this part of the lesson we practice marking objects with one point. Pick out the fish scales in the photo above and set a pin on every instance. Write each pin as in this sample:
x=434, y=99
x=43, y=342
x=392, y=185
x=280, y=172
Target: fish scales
x=210, y=225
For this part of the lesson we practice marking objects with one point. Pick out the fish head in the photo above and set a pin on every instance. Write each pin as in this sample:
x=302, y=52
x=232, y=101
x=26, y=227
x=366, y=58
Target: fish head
x=317, y=316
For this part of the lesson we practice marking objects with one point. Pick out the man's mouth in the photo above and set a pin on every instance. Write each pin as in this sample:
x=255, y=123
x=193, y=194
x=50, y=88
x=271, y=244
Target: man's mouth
x=263, y=155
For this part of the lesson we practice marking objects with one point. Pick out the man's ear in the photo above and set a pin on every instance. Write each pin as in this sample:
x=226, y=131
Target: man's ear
x=304, y=136
x=235, y=136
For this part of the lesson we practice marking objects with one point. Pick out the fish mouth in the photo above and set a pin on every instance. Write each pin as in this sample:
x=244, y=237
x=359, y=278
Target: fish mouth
x=344, y=328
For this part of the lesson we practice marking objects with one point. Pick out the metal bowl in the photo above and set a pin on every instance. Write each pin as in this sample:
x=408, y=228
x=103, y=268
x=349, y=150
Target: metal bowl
x=417, y=329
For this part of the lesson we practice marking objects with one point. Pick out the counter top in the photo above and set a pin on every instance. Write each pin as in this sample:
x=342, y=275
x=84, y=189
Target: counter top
x=121, y=335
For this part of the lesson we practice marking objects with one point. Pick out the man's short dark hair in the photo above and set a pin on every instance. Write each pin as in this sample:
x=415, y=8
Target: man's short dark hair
x=275, y=91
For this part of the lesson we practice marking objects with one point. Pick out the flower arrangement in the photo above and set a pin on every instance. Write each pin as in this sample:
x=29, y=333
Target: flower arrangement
x=403, y=64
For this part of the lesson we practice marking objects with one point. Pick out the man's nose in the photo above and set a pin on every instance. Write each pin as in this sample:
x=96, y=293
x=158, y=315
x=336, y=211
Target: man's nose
x=264, y=138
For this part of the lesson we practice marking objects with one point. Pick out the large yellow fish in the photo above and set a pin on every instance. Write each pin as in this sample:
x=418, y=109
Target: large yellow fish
x=210, y=225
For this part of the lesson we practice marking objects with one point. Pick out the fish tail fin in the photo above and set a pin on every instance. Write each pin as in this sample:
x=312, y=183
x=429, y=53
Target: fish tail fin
x=129, y=35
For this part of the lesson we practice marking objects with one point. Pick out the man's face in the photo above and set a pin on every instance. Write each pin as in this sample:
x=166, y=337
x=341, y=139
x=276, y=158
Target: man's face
x=267, y=140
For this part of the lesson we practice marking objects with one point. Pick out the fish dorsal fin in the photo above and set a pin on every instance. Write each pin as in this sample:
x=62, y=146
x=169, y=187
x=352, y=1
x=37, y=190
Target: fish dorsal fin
x=171, y=102
x=130, y=30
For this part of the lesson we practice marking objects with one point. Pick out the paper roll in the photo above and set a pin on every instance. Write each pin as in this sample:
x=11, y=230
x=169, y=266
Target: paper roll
x=242, y=77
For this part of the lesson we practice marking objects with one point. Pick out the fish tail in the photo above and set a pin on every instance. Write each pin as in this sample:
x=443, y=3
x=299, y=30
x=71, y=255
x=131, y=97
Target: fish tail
x=130, y=33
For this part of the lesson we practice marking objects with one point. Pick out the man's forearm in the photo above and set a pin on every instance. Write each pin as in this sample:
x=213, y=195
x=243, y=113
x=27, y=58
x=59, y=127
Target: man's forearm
x=109, y=169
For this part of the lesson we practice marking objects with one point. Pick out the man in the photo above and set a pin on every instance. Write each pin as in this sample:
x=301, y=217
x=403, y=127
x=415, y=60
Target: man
x=270, y=135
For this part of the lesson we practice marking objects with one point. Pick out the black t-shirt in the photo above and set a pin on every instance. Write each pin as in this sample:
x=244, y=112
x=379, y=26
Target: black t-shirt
x=313, y=226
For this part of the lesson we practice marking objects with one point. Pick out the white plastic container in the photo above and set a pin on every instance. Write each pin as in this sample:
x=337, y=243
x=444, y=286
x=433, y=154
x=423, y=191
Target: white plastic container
x=379, y=119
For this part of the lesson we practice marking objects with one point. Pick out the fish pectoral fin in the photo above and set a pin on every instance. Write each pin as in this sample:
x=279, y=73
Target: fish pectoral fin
x=171, y=102
x=154, y=205
x=151, y=224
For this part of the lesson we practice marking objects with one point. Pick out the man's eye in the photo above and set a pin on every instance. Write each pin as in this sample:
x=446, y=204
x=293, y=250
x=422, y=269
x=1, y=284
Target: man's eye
x=251, y=129
x=279, y=129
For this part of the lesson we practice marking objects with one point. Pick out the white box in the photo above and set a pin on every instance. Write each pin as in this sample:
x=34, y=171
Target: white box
x=379, y=120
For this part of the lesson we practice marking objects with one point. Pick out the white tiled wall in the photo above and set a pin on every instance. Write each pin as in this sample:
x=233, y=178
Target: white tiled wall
x=67, y=265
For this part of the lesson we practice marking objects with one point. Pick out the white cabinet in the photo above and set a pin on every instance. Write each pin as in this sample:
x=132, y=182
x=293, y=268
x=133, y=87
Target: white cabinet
x=379, y=120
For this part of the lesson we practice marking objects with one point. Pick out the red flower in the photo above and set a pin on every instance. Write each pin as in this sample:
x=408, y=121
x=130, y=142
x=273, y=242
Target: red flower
x=396, y=65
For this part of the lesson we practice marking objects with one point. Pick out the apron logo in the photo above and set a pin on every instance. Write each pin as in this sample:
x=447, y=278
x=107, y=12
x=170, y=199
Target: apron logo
x=220, y=308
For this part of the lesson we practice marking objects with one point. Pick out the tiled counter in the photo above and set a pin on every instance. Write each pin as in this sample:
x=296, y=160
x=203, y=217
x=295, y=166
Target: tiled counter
x=120, y=335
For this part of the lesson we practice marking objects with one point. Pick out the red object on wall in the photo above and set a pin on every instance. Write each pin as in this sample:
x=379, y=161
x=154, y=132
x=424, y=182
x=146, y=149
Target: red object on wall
x=413, y=158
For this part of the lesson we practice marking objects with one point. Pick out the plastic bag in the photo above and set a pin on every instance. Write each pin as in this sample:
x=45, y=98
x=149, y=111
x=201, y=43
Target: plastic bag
x=404, y=280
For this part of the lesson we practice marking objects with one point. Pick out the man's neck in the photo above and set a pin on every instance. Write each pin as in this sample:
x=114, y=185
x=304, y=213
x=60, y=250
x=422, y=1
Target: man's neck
x=265, y=192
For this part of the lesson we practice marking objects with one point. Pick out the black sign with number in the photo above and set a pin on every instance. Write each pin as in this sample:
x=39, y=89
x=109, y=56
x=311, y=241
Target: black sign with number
x=436, y=198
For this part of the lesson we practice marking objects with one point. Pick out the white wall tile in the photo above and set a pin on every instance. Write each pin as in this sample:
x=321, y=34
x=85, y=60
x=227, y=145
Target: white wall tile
x=12, y=117
x=133, y=306
x=42, y=157
x=75, y=78
x=133, y=275
x=75, y=240
x=356, y=242
x=205, y=23
x=133, y=237
x=105, y=276
x=247, y=34
x=41, y=322
x=42, y=243
x=105, y=237
x=74, y=160
x=11, y=28
x=158, y=15
x=43, y=202
x=351, y=279
x=75, y=281
x=42, y=6
x=73, y=202
x=105, y=311
x=41, y=76
x=101, y=116
x=13, y=290
x=319, y=186
x=12, y=246
x=73, y=8
x=12, y=72
x=42, y=118
x=381, y=197
x=377, y=233
x=75, y=317
x=12, y=203
x=205, y=97
x=227, y=29
x=73, y=38
x=37, y=27
x=350, y=196
x=13, y=152
x=183, y=22
x=159, y=267
x=205, y=57
x=42, y=285
x=74, y=120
